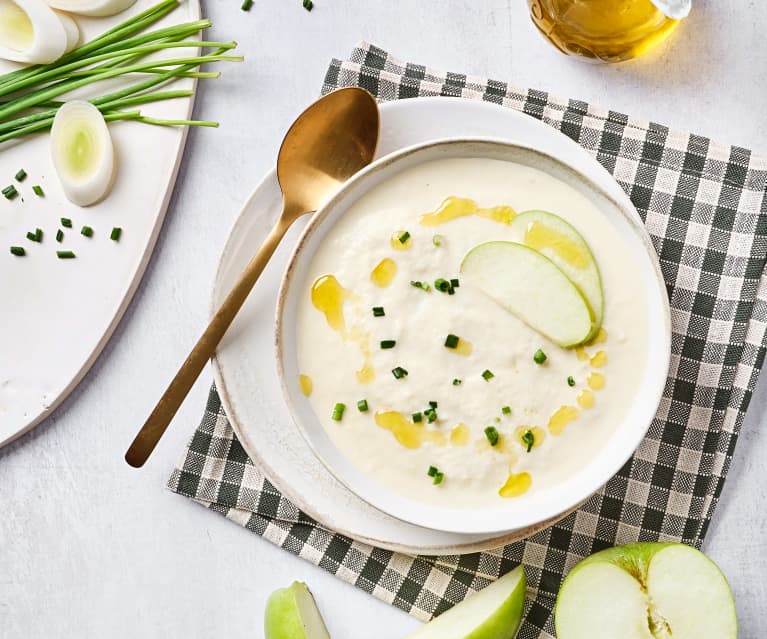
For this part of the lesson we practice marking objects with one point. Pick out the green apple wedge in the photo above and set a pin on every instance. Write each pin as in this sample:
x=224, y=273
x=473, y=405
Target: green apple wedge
x=533, y=288
x=291, y=613
x=492, y=613
x=646, y=591
x=558, y=240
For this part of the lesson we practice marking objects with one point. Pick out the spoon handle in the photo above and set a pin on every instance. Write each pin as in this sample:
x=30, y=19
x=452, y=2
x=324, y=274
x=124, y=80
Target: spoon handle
x=190, y=370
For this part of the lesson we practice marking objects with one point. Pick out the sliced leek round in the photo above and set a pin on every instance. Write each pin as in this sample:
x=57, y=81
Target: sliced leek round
x=82, y=152
x=72, y=31
x=95, y=8
x=31, y=32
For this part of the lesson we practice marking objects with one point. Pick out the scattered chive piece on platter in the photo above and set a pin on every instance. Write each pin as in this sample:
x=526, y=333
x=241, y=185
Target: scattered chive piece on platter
x=21, y=175
x=38, y=190
x=362, y=405
x=59, y=235
x=247, y=5
x=115, y=234
x=338, y=412
x=66, y=222
x=65, y=255
x=87, y=231
x=18, y=251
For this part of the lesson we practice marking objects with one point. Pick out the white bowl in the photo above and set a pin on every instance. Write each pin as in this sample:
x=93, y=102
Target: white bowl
x=554, y=501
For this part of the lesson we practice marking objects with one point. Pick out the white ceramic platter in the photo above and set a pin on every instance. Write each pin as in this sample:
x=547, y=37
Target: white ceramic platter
x=57, y=315
x=245, y=368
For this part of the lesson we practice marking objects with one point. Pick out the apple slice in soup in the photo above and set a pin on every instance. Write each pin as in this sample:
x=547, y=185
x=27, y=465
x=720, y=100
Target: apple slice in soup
x=558, y=240
x=533, y=288
x=646, y=591
x=492, y=613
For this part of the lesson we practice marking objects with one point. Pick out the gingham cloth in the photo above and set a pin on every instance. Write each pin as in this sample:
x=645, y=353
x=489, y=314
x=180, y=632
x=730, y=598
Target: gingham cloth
x=705, y=207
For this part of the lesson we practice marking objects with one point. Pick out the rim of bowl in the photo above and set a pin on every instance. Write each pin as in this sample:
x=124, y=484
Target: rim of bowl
x=466, y=525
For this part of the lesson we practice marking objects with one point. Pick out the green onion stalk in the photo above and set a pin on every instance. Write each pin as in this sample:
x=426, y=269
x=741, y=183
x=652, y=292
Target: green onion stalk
x=30, y=97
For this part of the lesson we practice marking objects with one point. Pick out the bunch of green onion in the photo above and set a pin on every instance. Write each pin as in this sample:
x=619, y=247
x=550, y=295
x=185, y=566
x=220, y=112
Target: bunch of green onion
x=28, y=96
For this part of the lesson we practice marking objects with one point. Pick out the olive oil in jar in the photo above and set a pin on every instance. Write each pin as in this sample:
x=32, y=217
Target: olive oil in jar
x=602, y=30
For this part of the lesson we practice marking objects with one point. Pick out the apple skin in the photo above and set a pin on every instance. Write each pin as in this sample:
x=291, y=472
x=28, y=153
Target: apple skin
x=283, y=620
x=502, y=623
x=635, y=559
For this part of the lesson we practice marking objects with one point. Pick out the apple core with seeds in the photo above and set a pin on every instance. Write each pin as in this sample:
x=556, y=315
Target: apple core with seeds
x=469, y=334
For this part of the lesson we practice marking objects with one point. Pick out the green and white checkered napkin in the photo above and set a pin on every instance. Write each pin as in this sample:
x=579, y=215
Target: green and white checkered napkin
x=705, y=207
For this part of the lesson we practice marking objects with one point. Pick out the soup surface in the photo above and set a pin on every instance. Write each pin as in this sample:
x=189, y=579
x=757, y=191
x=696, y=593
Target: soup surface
x=484, y=422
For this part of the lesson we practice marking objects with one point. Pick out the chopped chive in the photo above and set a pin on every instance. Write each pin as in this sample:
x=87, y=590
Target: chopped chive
x=451, y=341
x=457, y=382
x=362, y=405
x=399, y=372
x=432, y=472
x=506, y=410
x=417, y=417
x=388, y=343
x=115, y=234
x=10, y=192
x=431, y=415
x=59, y=235
x=37, y=236
x=21, y=175
x=441, y=284
x=65, y=255
x=437, y=240
x=378, y=311
x=497, y=420
x=404, y=237
x=38, y=190
x=87, y=231
x=66, y=222
x=308, y=5
x=433, y=404
x=539, y=357
x=487, y=375
x=338, y=412
x=32, y=237
x=246, y=6
x=18, y=251
x=570, y=381
x=528, y=438
x=455, y=283
x=422, y=285
x=491, y=432
x=438, y=479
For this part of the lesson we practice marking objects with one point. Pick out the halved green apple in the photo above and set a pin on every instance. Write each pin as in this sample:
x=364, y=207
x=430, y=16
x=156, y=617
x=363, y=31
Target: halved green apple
x=291, y=613
x=558, y=240
x=533, y=288
x=646, y=591
x=493, y=613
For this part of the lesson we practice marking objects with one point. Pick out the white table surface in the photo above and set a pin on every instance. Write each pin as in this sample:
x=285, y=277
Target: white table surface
x=92, y=548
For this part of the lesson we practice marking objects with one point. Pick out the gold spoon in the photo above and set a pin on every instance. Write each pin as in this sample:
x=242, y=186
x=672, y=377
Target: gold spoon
x=329, y=142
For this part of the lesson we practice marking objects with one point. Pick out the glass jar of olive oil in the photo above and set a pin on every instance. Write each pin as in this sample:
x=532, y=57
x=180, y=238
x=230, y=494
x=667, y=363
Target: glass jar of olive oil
x=605, y=30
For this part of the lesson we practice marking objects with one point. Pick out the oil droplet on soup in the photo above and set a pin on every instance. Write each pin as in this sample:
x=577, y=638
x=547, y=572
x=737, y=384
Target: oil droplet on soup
x=600, y=338
x=306, y=384
x=561, y=418
x=407, y=433
x=581, y=353
x=585, y=398
x=383, y=274
x=596, y=381
x=455, y=207
x=397, y=244
x=539, y=236
x=599, y=359
x=538, y=435
x=459, y=436
x=328, y=297
x=464, y=347
x=517, y=484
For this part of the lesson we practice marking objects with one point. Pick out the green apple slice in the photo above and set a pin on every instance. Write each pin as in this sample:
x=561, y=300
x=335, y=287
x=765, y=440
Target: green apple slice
x=533, y=288
x=291, y=613
x=558, y=240
x=646, y=591
x=493, y=613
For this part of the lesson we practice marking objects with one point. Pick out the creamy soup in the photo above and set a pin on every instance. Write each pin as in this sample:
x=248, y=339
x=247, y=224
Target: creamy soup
x=367, y=335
